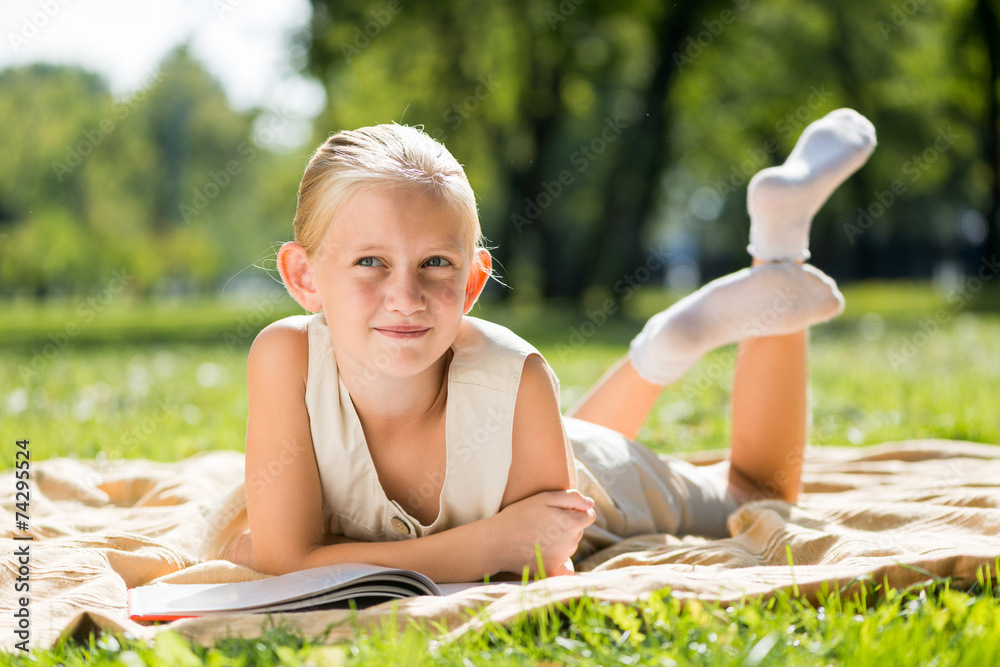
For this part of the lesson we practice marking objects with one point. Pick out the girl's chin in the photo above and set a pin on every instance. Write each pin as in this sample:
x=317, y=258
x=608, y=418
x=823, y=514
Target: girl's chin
x=402, y=358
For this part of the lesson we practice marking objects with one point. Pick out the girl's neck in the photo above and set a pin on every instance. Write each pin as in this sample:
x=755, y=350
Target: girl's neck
x=401, y=403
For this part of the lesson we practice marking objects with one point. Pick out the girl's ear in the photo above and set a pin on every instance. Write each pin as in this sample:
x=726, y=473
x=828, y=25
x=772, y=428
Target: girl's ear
x=479, y=273
x=293, y=265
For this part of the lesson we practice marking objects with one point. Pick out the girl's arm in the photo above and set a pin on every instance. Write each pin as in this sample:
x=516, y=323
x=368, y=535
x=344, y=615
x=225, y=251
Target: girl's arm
x=282, y=479
x=541, y=458
x=284, y=496
x=541, y=461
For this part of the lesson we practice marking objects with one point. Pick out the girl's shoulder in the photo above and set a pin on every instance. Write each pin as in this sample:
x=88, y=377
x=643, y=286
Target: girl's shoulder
x=490, y=354
x=285, y=329
x=286, y=340
x=476, y=332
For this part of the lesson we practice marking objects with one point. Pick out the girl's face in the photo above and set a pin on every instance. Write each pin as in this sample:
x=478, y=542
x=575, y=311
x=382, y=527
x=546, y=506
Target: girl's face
x=392, y=273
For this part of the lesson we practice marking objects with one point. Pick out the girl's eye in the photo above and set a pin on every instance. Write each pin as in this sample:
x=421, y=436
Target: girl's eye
x=368, y=261
x=438, y=261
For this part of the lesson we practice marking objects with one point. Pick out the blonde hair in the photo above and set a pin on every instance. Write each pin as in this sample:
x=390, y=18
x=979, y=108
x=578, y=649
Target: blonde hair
x=380, y=156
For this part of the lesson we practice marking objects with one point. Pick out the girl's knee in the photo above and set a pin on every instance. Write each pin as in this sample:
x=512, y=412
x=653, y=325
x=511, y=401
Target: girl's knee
x=745, y=489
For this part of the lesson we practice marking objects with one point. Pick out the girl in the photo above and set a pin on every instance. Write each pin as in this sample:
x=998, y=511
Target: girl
x=391, y=428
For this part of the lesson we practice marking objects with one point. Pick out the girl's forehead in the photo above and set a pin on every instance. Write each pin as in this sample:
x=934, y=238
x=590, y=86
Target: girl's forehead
x=393, y=217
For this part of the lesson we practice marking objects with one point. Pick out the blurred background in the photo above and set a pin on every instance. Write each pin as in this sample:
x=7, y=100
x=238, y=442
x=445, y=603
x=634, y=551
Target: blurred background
x=152, y=151
x=166, y=140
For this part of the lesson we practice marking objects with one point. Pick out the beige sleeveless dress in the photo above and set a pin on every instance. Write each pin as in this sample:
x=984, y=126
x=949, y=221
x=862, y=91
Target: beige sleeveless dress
x=635, y=491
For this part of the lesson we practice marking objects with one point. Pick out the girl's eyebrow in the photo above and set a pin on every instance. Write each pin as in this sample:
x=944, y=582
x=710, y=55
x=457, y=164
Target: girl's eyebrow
x=370, y=247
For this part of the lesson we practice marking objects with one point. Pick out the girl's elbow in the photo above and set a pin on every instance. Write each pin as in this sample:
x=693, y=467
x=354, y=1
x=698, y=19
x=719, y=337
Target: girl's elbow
x=282, y=560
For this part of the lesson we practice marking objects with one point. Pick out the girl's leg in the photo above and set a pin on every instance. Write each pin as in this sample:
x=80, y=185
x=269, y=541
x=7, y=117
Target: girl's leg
x=770, y=402
x=770, y=417
x=771, y=300
x=769, y=413
x=620, y=400
x=768, y=308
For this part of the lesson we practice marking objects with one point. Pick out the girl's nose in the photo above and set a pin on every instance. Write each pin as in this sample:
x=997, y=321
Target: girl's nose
x=405, y=294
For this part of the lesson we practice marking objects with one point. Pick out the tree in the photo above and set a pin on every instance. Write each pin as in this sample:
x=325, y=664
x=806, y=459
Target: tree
x=985, y=20
x=166, y=186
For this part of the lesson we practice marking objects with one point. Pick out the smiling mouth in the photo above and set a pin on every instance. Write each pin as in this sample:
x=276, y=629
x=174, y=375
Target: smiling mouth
x=403, y=332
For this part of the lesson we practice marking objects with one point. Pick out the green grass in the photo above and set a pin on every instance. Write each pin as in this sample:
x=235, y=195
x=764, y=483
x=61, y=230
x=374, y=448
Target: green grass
x=931, y=624
x=164, y=383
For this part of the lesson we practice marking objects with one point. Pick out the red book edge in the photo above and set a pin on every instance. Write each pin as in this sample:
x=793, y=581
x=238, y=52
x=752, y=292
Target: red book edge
x=152, y=617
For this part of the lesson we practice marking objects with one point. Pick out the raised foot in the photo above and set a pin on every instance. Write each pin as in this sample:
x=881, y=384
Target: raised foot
x=766, y=300
x=783, y=200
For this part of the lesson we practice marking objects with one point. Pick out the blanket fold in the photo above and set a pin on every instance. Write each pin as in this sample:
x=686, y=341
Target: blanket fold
x=898, y=512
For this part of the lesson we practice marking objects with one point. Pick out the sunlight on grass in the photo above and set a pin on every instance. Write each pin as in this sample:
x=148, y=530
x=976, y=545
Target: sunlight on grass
x=865, y=623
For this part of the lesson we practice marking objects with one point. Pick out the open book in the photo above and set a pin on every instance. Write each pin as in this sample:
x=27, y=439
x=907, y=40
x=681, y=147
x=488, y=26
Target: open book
x=328, y=587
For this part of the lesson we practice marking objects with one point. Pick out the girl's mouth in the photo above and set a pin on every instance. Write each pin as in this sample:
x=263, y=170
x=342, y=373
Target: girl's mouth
x=403, y=332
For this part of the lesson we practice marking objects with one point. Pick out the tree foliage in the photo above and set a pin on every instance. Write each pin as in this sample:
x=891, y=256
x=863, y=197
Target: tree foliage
x=163, y=187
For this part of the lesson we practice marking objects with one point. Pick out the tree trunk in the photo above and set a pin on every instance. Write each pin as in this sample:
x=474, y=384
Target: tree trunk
x=520, y=231
x=616, y=247
x=989, y=19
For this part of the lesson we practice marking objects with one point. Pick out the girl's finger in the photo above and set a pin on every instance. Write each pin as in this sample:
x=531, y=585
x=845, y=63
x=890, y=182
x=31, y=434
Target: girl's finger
x=570, y=500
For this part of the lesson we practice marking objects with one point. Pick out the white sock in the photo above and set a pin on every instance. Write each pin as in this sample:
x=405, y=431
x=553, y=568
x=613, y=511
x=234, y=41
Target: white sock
x=766, y=300
x=783, y=200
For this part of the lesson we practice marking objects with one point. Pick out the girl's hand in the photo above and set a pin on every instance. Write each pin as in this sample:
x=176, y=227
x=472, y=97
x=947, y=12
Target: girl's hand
x=554, y=520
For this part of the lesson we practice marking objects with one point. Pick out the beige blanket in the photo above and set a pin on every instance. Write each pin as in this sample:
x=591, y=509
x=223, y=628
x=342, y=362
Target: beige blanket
x=900, y=512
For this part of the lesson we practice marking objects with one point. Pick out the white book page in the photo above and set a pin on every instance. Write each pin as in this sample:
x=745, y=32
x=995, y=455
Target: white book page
x=166, y=599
